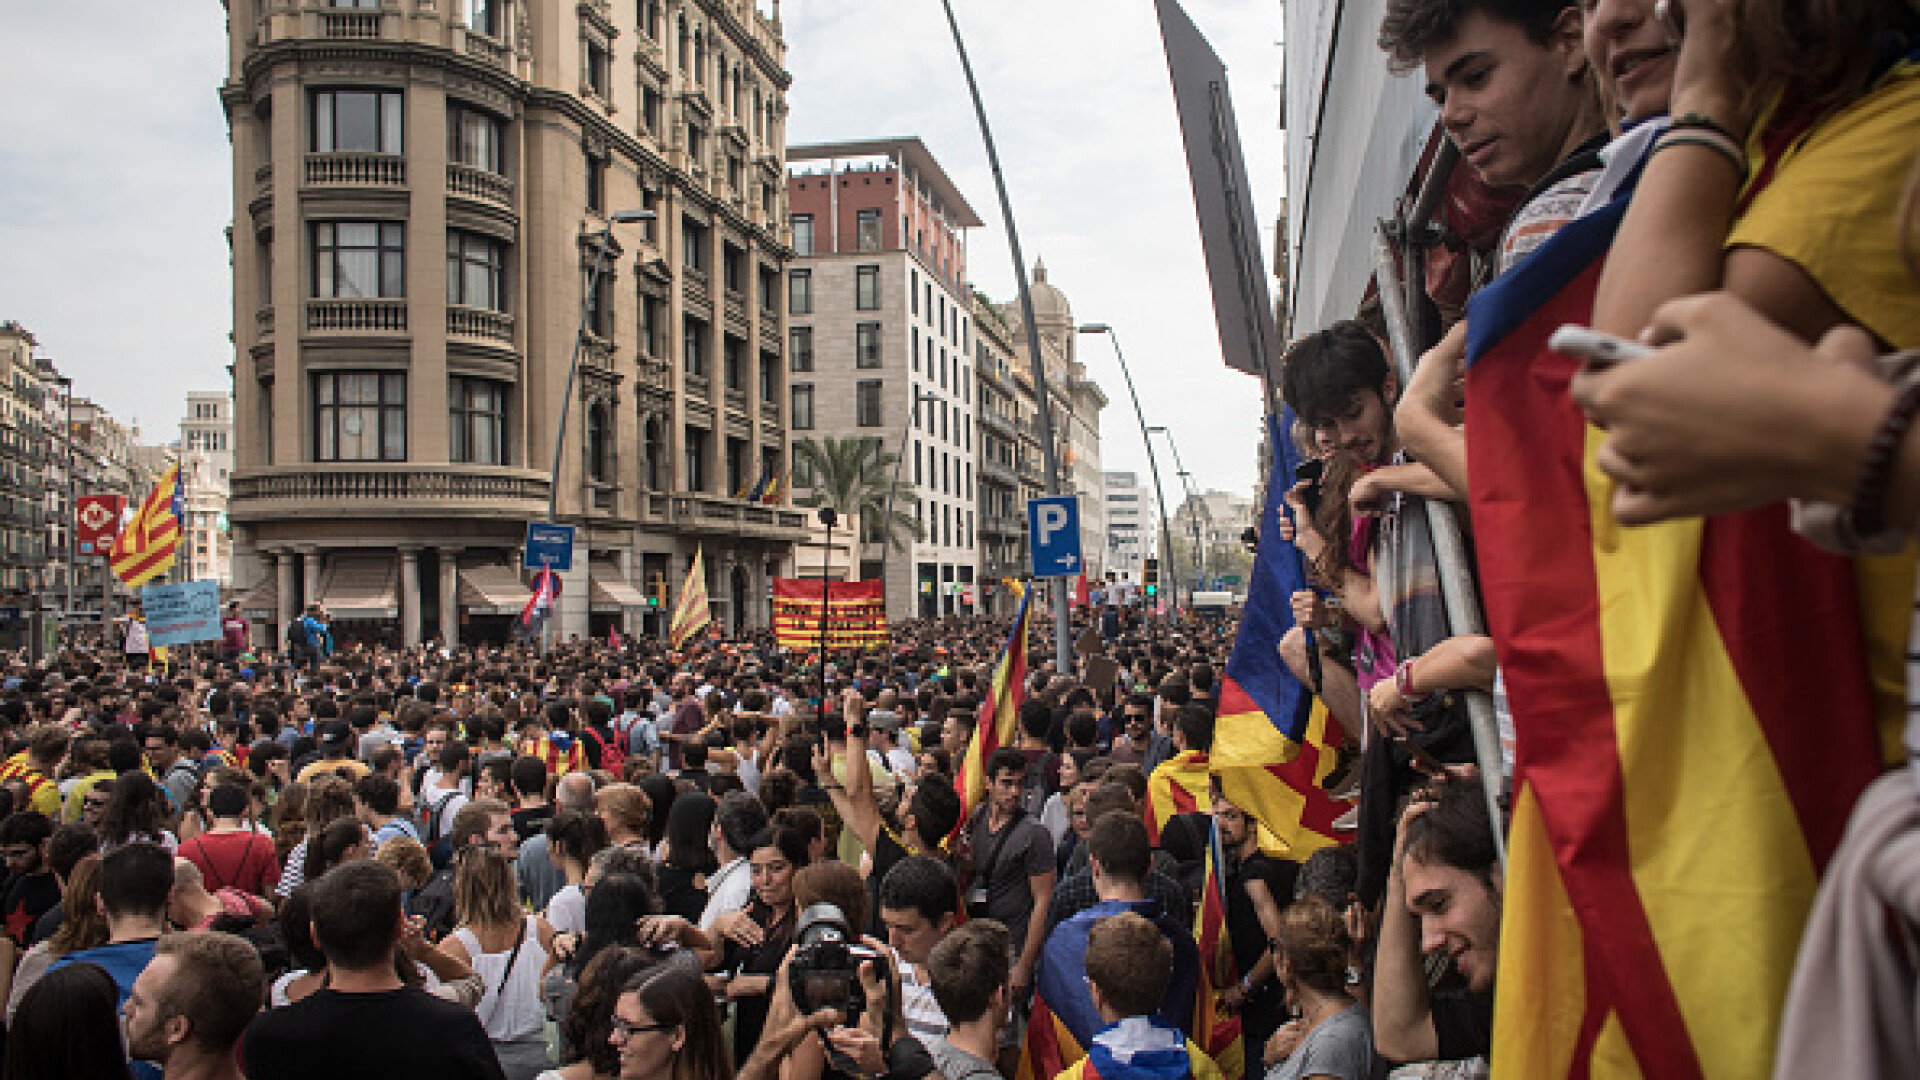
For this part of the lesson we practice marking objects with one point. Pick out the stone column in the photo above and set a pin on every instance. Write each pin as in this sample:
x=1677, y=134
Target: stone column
x=723, y=588
x=450, y=596
x=629, y=617
x=310, y=575
x=409, y=596
x=286, y=605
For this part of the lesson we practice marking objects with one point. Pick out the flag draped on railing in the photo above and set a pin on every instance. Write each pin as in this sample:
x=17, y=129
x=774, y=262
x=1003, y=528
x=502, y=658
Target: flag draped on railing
x=1693, y=719
x=693, y=612
x=145, y=547
x=999, y=719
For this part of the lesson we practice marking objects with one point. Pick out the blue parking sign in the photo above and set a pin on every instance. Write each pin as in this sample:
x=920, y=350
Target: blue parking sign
x=549, y=546
x=1053, y=535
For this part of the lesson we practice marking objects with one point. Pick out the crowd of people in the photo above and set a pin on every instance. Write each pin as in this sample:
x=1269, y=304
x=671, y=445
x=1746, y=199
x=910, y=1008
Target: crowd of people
x=733, y=859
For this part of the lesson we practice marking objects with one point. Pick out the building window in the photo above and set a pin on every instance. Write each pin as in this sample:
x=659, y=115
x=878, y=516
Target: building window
x=697, y=149
x=357, y=121
x=359, y=416
x=866, y=403
x=731, y=366
x=803, y=472
x=769, y=378
x=913, y=290
x=800, y=292
x=802, y=233
x=693, y=245
x=867, y=230
x=866, y=345
x=598, y=62
x=476, y=271
x=477, y=415
x=802, y=407
x=653, y=110
x=866, y=289
x=596, y=183
x=599, y=444
x=696, y=459
x=694, y=347
x=800, y=348
x=916, y=348
x=769, y=291
x=657, y=452
x=732, y=263
x=359, y=259
x=476, y=139
x=599, y=304
x=653, y=328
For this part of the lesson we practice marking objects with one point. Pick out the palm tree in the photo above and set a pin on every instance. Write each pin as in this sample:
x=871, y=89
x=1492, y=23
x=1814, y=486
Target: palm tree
x=854, y=476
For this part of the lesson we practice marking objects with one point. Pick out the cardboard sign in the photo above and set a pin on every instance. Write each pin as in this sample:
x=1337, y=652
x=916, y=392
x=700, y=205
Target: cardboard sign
x=182, y=614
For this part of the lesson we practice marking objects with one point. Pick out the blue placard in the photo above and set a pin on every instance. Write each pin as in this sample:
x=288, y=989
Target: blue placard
x=549, y=546
x=1053, y=535
x=182, y=614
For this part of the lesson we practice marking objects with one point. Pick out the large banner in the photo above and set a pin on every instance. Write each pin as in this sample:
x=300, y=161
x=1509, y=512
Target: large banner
x=182, y=613
x=856, y=614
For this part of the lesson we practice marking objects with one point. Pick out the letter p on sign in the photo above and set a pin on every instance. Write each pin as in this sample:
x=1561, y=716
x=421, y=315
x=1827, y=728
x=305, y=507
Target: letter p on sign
x=1053, y=530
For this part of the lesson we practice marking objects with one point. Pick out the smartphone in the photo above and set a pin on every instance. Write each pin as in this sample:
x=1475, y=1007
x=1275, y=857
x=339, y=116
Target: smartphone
x=1309, y=472
x=1595, y=347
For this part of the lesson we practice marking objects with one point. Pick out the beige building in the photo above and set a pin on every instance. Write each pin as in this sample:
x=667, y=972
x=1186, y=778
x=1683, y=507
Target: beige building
x=23, y=478
x=422, y=190
x=206, y=468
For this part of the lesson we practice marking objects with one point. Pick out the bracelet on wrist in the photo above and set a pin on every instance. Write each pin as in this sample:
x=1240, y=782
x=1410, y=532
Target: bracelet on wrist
x=1868, y=514
x=1403, y=682
x=1722, y=145
x=1699, y=121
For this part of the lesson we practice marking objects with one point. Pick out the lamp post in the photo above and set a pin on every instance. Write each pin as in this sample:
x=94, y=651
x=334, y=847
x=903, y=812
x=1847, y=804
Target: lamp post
x=827, y=518
x=1153, y=467
x=600, y=241
x=1193, y=519
x=886, y=520
x=1062, y=618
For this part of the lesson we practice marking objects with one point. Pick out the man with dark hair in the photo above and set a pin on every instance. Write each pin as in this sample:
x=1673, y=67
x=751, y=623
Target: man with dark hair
x=378, y=800
x=1076, y=892
x=336, y=744
x=1118, y=855
x=365, y=1021
x=31, y=890
x=136, y=881
x=68, y=845
x=736, y=821
x=1443, y=898
x=531, y=810
x=34, y=766
x=1013, y=870
x=919, y=904
x=1131, y=968
x=442, y=798
x=190, y=1006
x=968, y=970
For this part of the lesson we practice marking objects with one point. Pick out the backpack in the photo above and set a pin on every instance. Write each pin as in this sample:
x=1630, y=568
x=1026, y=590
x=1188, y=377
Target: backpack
x=435, y=812
x=433, y=904
x=612, y=755
x=266, y=939
x=297, y=642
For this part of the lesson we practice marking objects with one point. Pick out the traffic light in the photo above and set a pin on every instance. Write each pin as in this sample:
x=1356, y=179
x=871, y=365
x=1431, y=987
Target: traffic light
x=1152, y=577
x=656, y=590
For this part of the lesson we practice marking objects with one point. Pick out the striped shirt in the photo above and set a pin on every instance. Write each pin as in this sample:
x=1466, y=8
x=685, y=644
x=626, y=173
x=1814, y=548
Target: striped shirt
x=925, y=1020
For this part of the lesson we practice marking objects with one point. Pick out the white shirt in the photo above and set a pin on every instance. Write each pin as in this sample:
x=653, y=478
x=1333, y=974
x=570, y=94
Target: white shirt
x=728, y=889
x=567, y=911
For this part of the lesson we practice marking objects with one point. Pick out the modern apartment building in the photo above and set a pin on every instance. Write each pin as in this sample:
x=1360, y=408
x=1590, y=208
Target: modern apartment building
x=880, y=347
x=1132, y=525
x=422, y=195
x=206, y=468
x=23, y=458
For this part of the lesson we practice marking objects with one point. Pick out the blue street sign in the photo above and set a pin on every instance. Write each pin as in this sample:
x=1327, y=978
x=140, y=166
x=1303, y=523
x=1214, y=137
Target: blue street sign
x=550, y=546
x=1053, y=535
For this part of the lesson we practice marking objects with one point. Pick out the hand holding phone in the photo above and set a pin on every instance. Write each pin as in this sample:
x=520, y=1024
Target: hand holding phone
x=1603, y=350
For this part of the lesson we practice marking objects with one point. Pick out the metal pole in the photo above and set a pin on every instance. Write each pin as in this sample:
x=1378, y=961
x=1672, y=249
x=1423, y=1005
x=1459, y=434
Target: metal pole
x=1062, y=623
x=886, y=519
x=1457, y=590
x=1159, y=496
x=826, y=609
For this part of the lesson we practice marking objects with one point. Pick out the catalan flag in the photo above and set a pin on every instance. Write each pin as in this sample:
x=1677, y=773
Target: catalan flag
x=999, y=718
x=1217, y=1034
x=1693, y=714
x=1272, y=742
x=145, y=547
x=772, y=495
x=693, y=611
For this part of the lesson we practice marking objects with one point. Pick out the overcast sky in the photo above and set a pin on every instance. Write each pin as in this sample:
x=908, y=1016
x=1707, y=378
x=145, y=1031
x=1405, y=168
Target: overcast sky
x=114, y=169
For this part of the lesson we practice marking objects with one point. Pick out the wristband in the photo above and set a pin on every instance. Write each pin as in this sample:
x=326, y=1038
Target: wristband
x=1709, y=139
x=1695, y=121
x=1869, y=511
x=1403, y=682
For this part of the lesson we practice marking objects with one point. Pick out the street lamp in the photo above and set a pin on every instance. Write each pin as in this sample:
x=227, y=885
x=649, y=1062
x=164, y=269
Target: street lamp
x=886, y=520
x=1166, y=535
x=600, y=240
x=1193, y=518
x=827, y=518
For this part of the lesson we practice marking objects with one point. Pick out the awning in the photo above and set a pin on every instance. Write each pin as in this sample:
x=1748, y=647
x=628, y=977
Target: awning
x=492, y=589
x=609, y=588
x=262, y=601
x=362, y=587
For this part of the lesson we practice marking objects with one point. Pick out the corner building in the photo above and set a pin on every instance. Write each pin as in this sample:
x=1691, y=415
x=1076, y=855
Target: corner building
x=421, y=190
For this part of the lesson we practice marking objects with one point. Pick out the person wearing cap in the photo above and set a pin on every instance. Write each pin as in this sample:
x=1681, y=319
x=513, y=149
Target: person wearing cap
x=885, y=720
x=335, y=739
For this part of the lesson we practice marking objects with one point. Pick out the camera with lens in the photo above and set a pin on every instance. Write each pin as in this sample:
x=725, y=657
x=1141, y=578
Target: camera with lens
x=824, y=971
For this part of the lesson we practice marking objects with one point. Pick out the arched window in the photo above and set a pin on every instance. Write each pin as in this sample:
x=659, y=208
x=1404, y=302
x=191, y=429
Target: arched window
x=599, y=444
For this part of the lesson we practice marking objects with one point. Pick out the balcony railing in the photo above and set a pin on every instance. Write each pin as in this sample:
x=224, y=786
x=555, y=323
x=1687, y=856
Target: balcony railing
x=697, y=288
x=350, y=25
x=994, y=421
x=481, y=184
x=480, y=323
x=357, y=316
x=717, y=514
x=357, y=170
x=482, y=47
x=996, y=473
x=353, y=483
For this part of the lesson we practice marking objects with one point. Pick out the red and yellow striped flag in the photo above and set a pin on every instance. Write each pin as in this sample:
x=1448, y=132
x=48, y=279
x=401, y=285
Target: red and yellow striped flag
x=999, y=718
x=1179, y=785
x=693, y=611
x=145, y=548
x=1693, y=713
x=1216, y=1033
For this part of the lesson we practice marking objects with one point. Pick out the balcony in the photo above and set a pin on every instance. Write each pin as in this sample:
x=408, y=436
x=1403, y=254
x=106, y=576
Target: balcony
x=993, y=420
x=655, y=375
x=351, y=25
x=715, y=515
x=384, y=171
x=491, y=326
x=992, y=472
x=357, y=316
x=1002, y=525
x=482, y=47
x=480, y=185
x=354, y=489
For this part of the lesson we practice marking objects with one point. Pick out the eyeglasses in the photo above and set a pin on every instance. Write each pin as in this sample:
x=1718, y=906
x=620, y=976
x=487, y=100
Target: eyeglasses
x=623, y=1030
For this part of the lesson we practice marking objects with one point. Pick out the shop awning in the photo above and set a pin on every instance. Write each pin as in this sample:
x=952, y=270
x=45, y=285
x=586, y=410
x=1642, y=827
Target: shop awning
x=362, y=587
x=492, y=589
x=610, y=589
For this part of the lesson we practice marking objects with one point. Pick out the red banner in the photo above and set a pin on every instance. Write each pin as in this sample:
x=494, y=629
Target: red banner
x=856, y=614
x=96, y=521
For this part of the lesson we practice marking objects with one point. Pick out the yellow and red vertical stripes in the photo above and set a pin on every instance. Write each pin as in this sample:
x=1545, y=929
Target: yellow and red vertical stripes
x=999, y=719
x=145, y=548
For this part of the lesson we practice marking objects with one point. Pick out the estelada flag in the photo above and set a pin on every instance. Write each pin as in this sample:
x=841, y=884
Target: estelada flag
x=1217, y=1033
x=1693, y=721
x=1272, y=742
x=692, y=612
x=1178, y=785
x=856, y=613
x=145, y=548
x=999, y=719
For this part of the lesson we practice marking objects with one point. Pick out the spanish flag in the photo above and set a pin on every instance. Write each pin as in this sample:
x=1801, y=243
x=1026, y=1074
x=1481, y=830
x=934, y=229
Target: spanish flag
x=145, y=547
x=1694, y=719
x=693, y=611
x=999, y=719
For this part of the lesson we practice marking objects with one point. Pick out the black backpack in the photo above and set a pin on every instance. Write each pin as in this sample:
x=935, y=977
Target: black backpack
x=265, y=938
x=433, y=904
